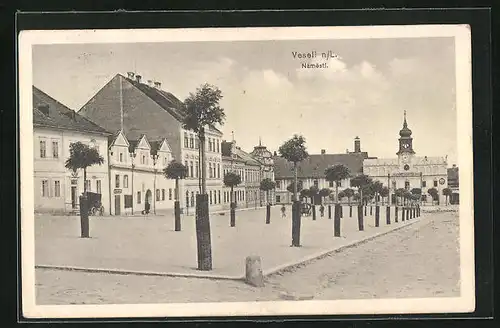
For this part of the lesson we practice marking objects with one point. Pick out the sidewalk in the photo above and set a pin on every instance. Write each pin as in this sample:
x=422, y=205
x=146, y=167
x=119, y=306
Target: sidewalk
x=149, y=245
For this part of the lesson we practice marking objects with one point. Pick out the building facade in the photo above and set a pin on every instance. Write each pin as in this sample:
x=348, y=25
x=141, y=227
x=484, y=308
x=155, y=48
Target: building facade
x=55, y=128
x=453, y=184
x=265, y=157
x=136, y=108
x=311, y=171
x=409, y=171
x=136, y=176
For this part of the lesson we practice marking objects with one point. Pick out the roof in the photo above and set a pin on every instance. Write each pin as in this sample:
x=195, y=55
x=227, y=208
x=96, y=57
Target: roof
x=164, y=99
x=238, y=154
x=315, y=165
x=59, y=116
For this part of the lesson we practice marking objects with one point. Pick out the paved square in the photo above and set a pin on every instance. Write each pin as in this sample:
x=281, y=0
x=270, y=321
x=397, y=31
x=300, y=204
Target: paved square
x=151, y=244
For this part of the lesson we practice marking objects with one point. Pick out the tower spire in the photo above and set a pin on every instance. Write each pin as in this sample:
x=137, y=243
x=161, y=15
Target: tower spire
x=260, y=141
x=404, y=122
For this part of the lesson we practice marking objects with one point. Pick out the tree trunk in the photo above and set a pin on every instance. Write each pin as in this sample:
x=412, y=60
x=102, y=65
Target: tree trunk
x=337, y=191
x=85, y=181
x=84, y=208
x=177, y=208
x=295, y=187
x=202, y=159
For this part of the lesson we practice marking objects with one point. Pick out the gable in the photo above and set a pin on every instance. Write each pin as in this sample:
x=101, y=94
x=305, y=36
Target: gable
x=165, y=147
x=144, y=143
x=120, y=140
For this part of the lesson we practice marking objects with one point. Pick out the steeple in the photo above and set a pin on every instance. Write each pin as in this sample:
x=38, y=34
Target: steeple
x=405, y=132
x=405, y=140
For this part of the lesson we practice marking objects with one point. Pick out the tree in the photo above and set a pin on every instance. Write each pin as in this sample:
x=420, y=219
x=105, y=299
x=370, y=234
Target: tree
x=267, y=185
x=384, y=192
x=81, y=156
x=349, y=193
x=294, y=151
x=360, y=182
x=400, y=193
x=337, y=173
x=325, y=192
x=434, y=193
x=313, y=193
x=291, y=187
x=341, y=195
x=304, y=193
x=176, y=170
x=407, y=196
x=201, y=110
x=447, y=192
x=231, y=180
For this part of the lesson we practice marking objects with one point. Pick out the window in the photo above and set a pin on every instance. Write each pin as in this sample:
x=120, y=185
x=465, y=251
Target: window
x=209, y=141
x=125, y=181
x=424, y=184
x=121, y=157
x=45, y=188
x=218, y=146
x=197, y=170
x=218, y=170
x=196, y=144
x=144, y=159
x=316, y=183
x=186, y=140
x=435, y=183
x=278, y=184
x=191, y=173
x=214, y=175
x=158, y=195
x=187, y=168
x=192, y=198
x=219, y=196
x=191, y=141
x=165, y=161
x=98, y=186
x=55, y=149
x=210, y=197
x=169, y=193
x=330, y=184
x=163, y=194
x=138, y=197
x=117, y=181
x=187, y=198
x=340, y=183
x=88, y=184
x=210, y=170
x=407, y=184
x=278, y=198
x=43, y=149
x=127, y=200
x=57, y=188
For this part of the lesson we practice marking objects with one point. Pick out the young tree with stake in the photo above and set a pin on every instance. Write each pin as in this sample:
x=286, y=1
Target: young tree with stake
x=177, y=171
x=231, y=180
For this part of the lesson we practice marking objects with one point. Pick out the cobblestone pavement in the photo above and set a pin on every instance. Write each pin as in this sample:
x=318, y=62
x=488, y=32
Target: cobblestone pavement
x=421, y=260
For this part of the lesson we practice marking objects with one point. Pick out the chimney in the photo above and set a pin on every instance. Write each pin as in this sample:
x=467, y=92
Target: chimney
x=454, y=165
x=150, y=83
x=323, y=151
x=138, y=78
x=130, y=75
x=157, y=85
x=357, y=145
x=44, y=109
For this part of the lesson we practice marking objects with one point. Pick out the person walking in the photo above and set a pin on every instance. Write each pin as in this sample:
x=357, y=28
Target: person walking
x=283, y=211
x=322, y=210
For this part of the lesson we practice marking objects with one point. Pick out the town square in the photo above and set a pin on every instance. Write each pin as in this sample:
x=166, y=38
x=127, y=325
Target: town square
x=244, y=179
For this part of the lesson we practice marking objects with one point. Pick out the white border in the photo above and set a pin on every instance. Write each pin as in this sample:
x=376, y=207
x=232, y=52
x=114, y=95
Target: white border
x=464, y=303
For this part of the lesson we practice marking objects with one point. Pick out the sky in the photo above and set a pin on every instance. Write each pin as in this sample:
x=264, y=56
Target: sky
x=267, y=94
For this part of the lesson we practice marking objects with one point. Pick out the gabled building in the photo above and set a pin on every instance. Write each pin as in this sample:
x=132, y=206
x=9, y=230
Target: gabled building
x=135, y=108
x=311, y=171
x=55, y=127
x=136, y=175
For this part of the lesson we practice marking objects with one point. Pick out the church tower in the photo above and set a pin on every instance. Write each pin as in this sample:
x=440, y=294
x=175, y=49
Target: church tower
x=405, y=152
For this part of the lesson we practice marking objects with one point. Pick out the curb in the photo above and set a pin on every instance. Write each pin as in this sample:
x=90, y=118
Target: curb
x=267, y=273
x=137, y=273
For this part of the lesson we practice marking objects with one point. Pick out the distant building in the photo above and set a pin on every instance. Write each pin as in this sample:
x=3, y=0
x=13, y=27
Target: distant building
x=453, y=184
x=266, y=159
x=311, y=171
x=136, y=108
x=409, y=171
x=136, y=175
x=55, y=127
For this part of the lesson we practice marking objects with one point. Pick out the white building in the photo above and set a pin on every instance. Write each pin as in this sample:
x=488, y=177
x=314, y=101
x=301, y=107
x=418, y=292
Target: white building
x=409, y=171
x=55, y=127
x=136, y=175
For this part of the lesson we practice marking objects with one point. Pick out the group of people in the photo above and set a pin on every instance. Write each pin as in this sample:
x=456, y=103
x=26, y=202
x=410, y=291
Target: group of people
x=321, y=211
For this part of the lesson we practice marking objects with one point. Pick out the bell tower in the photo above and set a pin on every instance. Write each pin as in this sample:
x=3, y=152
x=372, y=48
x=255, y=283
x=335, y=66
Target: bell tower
x=405, y=139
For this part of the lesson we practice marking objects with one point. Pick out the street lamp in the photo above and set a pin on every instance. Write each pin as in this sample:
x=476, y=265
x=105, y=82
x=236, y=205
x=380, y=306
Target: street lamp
x=132, y=156
x=155, y=159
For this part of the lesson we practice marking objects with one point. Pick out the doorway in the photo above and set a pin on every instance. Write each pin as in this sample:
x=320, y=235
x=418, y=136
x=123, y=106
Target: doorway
x=147, y=201
x=117, y=204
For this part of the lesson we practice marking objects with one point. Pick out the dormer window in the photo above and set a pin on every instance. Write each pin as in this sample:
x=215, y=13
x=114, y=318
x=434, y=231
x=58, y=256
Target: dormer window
x=121, y=157
x=143, y=159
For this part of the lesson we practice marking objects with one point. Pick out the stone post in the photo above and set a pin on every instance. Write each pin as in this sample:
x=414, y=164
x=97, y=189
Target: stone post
x=253, y=271
x=329, y=211
x=360, y=218
x=336, y=221
x=388, y=215
x=377, y=216
x=84, y=217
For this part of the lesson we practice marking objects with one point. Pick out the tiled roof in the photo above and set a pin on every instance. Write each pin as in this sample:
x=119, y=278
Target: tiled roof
x=239, y=155
x=165, y=99
x=315, y=165
x=59, y=116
